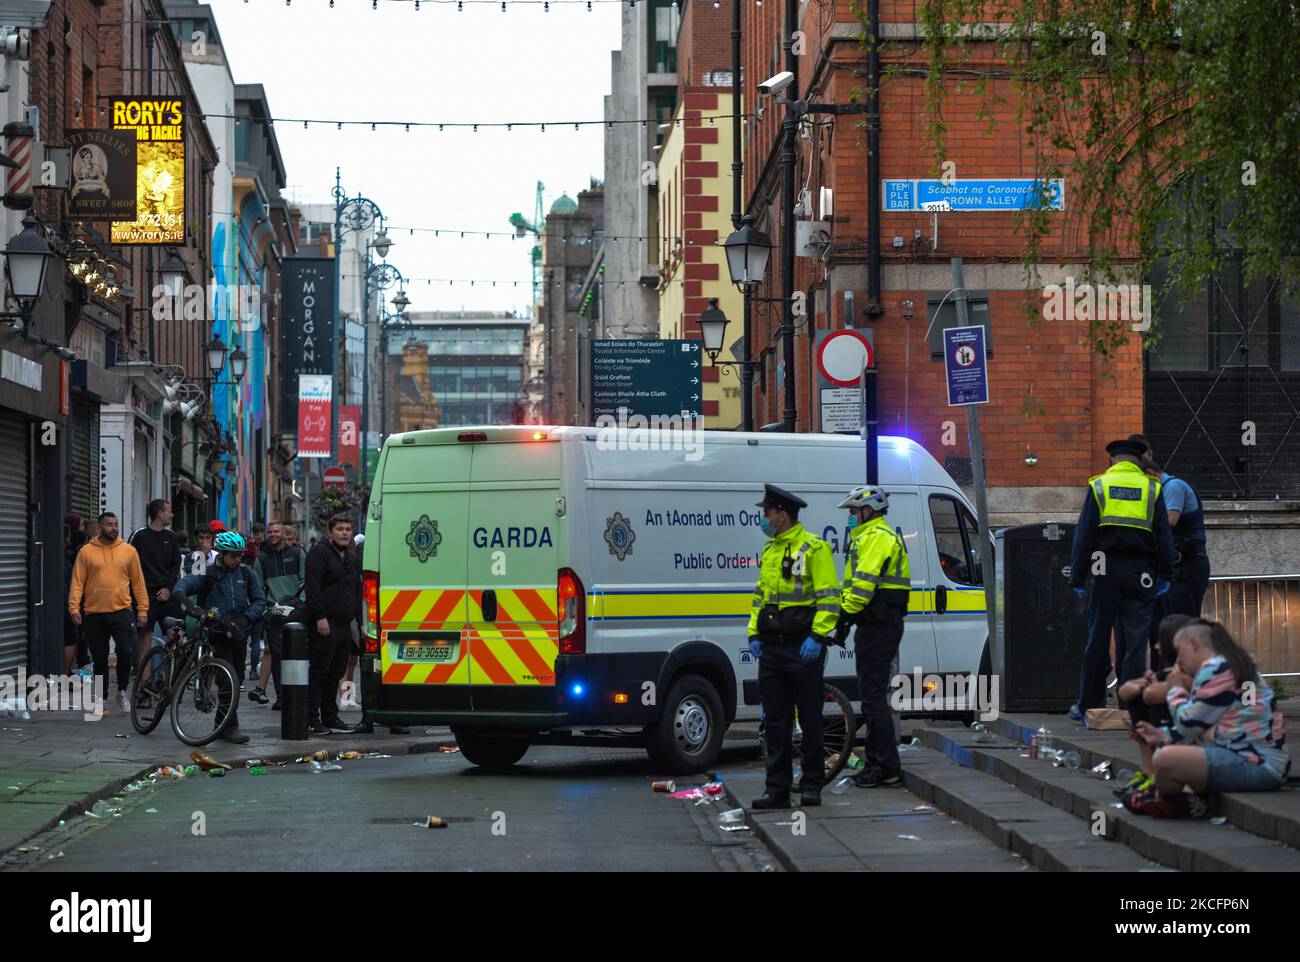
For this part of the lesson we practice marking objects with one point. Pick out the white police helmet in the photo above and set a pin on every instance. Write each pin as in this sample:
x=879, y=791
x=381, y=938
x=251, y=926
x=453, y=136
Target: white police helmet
x=866, y=496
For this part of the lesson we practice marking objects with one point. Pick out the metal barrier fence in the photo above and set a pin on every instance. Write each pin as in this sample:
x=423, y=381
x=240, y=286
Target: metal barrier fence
x=1263, y=614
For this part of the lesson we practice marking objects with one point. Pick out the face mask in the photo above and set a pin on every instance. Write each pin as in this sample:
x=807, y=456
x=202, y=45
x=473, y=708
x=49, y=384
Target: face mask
x=766, y=527
x=852, y=522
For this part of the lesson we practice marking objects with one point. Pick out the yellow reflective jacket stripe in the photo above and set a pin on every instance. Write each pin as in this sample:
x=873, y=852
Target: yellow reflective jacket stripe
x=1126, y=513
x=816, y=586
x=877, y=561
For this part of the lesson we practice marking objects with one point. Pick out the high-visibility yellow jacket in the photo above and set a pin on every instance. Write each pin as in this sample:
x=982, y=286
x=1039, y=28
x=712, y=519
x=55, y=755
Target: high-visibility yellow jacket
x=1126, y=496
x=877, y=562
x=812, y=583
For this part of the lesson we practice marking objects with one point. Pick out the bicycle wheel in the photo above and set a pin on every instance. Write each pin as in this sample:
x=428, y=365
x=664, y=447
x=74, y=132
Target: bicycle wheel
x=204, y=700
x=839, y=728
x=151, y=689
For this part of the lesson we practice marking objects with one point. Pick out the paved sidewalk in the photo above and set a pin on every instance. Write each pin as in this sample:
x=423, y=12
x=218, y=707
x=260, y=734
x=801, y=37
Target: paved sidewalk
x=866, y=830
x=58, y=764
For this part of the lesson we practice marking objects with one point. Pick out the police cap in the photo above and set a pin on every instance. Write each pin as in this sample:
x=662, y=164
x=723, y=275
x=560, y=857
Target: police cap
x=1126, y=446
x=780, y=498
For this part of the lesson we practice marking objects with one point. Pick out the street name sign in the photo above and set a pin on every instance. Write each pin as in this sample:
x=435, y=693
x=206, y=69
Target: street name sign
x=651, y=378
x=973, y=195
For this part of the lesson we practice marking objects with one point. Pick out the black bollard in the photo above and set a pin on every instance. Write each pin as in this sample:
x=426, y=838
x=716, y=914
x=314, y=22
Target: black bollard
x=295, y=668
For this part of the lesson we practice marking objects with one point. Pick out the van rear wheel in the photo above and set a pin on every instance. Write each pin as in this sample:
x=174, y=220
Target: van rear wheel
x=688, y=736
x=494, y=754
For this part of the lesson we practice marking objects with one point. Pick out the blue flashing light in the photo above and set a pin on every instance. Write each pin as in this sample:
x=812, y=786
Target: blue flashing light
x=577, y=689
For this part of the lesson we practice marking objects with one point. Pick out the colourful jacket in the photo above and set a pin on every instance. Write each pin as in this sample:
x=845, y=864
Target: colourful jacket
x=1254, y=731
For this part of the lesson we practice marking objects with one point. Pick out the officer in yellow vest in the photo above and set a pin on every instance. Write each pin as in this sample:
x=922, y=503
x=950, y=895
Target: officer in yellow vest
x=796, y=604
x=874, y=596
x=1123, y=542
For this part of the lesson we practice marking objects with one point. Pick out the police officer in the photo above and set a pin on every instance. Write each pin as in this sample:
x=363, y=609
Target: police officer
x=1123, y=541
x=796, y=603
x=877, y=583
x=1187, y=524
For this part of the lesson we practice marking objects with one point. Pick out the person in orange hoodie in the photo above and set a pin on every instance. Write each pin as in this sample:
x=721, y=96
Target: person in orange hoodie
x=106, y=580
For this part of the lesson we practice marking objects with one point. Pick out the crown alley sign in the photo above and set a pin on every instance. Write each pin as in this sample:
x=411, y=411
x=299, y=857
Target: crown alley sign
x=308, y=328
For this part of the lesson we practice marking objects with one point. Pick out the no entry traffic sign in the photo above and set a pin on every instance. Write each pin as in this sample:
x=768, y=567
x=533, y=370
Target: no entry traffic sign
x=334, y=477
x=842, y=356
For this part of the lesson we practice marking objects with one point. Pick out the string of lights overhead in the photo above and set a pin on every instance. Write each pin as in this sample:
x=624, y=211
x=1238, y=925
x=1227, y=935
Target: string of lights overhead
x=307, y=122
x=464, y=233
x=503, y=4
x=477, y=281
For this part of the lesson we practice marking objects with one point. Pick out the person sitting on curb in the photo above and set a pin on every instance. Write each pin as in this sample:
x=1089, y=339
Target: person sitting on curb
x=235, y=591
x=1226, y=734
x=1145, y=698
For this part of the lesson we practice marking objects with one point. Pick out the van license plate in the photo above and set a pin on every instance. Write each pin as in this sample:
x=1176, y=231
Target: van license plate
x=434, y=652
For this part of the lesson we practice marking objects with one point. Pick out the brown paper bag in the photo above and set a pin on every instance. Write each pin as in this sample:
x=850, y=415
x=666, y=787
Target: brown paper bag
x=1108, y=720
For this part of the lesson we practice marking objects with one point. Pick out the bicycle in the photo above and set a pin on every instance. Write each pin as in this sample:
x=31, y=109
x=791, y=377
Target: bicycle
x=839, y=731
x=201, y=689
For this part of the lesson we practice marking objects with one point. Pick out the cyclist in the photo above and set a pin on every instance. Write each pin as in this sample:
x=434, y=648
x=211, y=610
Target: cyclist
x=235, y=591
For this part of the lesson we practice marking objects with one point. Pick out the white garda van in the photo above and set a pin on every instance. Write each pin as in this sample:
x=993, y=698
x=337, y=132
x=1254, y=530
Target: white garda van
x=579, y=586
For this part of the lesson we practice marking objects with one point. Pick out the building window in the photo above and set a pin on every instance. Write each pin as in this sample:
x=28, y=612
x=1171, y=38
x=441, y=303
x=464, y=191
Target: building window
x=1227, y=324
x=665, y=21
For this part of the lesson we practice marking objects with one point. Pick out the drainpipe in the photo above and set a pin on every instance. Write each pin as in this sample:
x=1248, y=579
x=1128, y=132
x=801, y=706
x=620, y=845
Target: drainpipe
x=874, y=308
x=874, y=294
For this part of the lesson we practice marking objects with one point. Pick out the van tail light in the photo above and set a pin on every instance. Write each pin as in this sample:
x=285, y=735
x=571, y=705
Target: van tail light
x=370, y=592
x=571, y=600
x=472, y=436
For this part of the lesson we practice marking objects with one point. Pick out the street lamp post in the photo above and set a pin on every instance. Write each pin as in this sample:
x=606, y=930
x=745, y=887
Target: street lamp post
x=747, y=253
x=360, y=213
x=388, y=322
x=26, y=259
x=382, y=276
x=713, y=327
x=215, y=353
x=794, y=113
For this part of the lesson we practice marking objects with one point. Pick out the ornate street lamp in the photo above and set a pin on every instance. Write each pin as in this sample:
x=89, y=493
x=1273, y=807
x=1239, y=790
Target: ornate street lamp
x=26, y=259
x=216, y=354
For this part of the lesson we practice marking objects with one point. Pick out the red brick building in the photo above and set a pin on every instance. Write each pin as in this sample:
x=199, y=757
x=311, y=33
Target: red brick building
x=1051, y=398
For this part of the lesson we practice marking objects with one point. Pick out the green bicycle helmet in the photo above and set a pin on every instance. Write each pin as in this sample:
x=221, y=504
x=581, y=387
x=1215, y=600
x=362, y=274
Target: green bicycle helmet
x=229, y=541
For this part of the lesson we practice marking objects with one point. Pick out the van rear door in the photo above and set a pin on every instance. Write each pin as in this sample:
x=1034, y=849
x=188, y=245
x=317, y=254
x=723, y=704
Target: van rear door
x=514, y=545
x=423, y=608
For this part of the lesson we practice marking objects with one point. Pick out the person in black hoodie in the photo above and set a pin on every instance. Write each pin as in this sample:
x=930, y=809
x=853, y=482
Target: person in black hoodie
x=333, y=583
x=159, y=553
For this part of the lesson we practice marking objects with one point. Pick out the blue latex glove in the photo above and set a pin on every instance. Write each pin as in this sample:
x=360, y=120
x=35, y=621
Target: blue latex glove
x=1162, y=588
x=755, y=647
x=810, y=651
x=1081, y=592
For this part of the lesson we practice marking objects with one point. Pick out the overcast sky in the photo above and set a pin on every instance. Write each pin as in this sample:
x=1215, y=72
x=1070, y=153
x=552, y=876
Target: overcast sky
x=476, y=66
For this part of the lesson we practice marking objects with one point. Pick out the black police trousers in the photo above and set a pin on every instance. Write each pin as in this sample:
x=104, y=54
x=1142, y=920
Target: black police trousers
x=785, y=684
x=1118, y=601
x=875, y=646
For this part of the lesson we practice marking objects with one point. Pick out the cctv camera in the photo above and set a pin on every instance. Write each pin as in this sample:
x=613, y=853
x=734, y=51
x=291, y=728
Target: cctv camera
x=776, y=84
